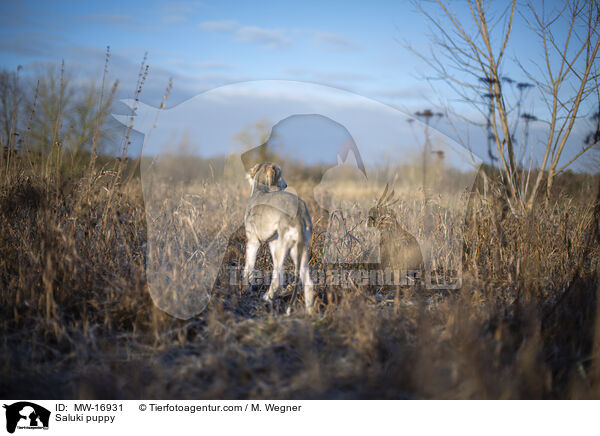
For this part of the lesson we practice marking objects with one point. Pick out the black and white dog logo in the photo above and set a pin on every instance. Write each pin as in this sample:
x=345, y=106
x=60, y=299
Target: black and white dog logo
x=26, y=415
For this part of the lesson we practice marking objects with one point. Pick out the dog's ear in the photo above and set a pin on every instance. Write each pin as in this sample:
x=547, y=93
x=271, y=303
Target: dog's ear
x=271, y=174
x=252, y=172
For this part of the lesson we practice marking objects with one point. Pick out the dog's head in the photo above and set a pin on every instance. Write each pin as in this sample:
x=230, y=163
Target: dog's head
x=267, y=176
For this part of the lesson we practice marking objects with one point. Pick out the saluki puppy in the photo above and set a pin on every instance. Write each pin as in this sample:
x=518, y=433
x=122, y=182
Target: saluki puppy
x=280, y=219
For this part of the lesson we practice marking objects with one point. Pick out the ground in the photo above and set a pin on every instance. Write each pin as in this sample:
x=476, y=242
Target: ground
x=78, y=320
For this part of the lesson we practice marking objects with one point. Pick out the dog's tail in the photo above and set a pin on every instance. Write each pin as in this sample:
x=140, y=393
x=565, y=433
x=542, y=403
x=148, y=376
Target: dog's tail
x=306, y=222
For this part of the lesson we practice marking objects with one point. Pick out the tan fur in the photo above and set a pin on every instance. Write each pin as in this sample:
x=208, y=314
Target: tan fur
x=269, y=173
x=282, y=220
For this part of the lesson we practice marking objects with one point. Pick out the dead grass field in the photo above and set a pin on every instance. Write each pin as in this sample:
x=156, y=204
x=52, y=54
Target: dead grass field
x=77, y=320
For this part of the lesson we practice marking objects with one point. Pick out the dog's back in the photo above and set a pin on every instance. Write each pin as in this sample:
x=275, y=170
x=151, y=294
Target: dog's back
x=272, y=213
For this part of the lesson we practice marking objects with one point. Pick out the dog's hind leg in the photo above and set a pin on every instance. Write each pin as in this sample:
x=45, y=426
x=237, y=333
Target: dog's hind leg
x=306, y=281
x=252, y=246
x=278, y=252
x=296, y=258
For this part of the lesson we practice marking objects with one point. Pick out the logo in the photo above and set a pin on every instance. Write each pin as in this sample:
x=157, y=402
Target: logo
x=26, y=415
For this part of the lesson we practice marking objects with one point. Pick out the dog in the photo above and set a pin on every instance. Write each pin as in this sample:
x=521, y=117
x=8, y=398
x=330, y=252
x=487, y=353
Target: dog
x=280, y=219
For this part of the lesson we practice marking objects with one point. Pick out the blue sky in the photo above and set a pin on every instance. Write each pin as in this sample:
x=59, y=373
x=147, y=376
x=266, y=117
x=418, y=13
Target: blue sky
x=351, y=45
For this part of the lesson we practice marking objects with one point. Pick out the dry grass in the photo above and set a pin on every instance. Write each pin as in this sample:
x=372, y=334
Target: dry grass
x=78, y=321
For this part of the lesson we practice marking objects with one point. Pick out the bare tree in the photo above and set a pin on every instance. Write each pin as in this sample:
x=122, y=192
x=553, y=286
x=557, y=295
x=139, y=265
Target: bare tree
x=68, y=114
x=578, y=55
x=470, y=55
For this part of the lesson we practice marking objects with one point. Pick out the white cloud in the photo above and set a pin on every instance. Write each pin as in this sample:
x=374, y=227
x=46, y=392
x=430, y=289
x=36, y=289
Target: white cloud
x=202, y=65
x=39, y=44
x=213, y=65
x=181, y=7
x=174, y=19
x=409, y=92
x=258, y=35
x=343, y=77
x=218, y=26
x=109, y=18
x=174, y=12
x=334, y=41
x=326, y=77
x=122, y=21
x=270, y=38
